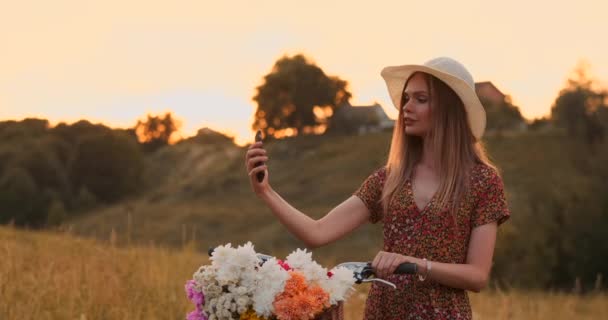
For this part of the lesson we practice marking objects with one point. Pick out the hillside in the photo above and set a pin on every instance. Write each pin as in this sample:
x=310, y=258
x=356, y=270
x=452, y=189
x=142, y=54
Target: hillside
x=200, y=192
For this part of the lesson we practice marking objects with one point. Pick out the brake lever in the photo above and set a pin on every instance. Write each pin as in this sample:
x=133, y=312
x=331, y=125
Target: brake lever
x=388, y=283
x=363, y=272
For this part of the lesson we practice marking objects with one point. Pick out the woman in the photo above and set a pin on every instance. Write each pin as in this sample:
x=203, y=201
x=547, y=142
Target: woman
x=439, y=198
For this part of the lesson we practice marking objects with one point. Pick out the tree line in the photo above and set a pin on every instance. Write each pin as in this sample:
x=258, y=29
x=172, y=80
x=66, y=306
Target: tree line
x=48, y=174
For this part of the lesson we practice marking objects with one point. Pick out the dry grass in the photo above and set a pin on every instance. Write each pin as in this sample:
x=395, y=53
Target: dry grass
x=50, y=276
x=515, y=305
x=45, y=276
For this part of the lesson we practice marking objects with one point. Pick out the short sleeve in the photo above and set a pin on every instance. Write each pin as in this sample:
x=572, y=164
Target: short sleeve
x=370, y=193
x=491, y=204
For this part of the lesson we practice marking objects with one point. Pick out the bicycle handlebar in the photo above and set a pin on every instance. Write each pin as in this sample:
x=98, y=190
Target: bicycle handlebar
x=407, y=268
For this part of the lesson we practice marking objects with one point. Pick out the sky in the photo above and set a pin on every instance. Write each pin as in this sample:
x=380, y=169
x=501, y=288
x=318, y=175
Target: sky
x=115, y=61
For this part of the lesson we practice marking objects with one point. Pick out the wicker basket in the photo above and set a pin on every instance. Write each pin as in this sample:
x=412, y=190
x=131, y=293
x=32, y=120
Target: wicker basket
x=333, y=313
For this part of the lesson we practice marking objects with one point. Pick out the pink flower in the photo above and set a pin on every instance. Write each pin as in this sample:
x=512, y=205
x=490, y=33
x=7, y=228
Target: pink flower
x=196, y=315
x=284, y=265
x=198, y=298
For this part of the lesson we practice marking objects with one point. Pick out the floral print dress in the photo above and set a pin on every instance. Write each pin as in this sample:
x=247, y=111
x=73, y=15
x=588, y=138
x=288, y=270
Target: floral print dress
x=429, y=233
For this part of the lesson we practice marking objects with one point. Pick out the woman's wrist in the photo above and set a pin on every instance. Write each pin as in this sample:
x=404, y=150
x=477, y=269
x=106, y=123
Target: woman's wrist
x=422, y=266
x=419, y=264
x=265, y=194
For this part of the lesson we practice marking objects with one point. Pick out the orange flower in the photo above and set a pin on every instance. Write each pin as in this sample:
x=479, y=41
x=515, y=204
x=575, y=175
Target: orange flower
x=299, y=301
x=295, y=283
x=319, y=296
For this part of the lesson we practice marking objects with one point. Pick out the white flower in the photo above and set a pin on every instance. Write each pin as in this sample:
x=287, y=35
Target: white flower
x=227, y=315
x=212, y=291
x=340, y=285
x=245, y=257
x=248, y=280
x=210, y=305
x=242, y=291
x=199, y=272
x=302, y=261
x=314, y=273
x=234, y=264
x=243, y=301
x=209, y=274
x=224, y=313
x=228, y=274
x=221, y=255
x=271, y=280
x=299, y=259
x=204, y=277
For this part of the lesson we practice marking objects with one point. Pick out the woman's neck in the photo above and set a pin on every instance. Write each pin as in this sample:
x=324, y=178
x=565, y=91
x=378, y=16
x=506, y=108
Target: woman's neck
x=428, y=155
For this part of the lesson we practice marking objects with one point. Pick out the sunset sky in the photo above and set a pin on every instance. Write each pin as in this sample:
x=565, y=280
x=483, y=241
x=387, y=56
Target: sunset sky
x=114, y=61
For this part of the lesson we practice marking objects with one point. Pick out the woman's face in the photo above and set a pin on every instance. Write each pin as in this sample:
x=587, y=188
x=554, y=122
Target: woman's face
x=416, y=108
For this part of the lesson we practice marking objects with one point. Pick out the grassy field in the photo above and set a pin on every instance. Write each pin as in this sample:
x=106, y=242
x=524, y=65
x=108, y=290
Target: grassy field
x=59, y=276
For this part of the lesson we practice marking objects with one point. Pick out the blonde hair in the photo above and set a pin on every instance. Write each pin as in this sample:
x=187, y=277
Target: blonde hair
x=455, y=148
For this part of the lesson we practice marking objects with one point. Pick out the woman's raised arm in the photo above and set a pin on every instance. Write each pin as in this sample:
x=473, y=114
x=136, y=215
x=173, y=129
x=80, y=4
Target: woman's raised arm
x=340, y=221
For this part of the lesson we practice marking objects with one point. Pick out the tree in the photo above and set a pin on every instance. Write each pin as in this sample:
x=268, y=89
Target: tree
x=72, y=133
x=502, y=116
x=156, y=131
x=30, y=127
x=48, y=174
x=298, y=96
x=109, y=165
x=20, y=199
x=580, y=109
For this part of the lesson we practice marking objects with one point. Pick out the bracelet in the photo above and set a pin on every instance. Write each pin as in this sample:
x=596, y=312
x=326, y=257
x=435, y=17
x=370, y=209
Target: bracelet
x=427, y=270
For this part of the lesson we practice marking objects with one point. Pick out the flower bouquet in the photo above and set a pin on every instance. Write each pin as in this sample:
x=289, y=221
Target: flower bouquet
x=239, y=285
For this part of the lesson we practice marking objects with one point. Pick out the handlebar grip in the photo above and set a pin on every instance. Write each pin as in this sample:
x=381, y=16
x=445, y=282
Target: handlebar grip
x=407, y=268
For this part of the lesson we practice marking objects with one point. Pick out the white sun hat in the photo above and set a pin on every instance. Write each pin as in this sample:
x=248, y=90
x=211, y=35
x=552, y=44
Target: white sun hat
x=453, y=74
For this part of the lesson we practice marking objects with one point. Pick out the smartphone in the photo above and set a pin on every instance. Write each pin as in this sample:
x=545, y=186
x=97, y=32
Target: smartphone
x=260, y=175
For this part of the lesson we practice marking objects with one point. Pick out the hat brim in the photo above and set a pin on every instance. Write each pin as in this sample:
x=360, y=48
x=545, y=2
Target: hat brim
x=395, y=77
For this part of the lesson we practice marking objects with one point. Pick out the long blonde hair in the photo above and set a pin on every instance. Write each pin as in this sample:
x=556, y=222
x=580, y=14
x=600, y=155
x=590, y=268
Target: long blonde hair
x=455, y=148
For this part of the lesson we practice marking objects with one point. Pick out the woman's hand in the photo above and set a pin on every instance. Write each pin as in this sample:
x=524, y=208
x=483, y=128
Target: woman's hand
x=385, y=263
x=256, y=154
